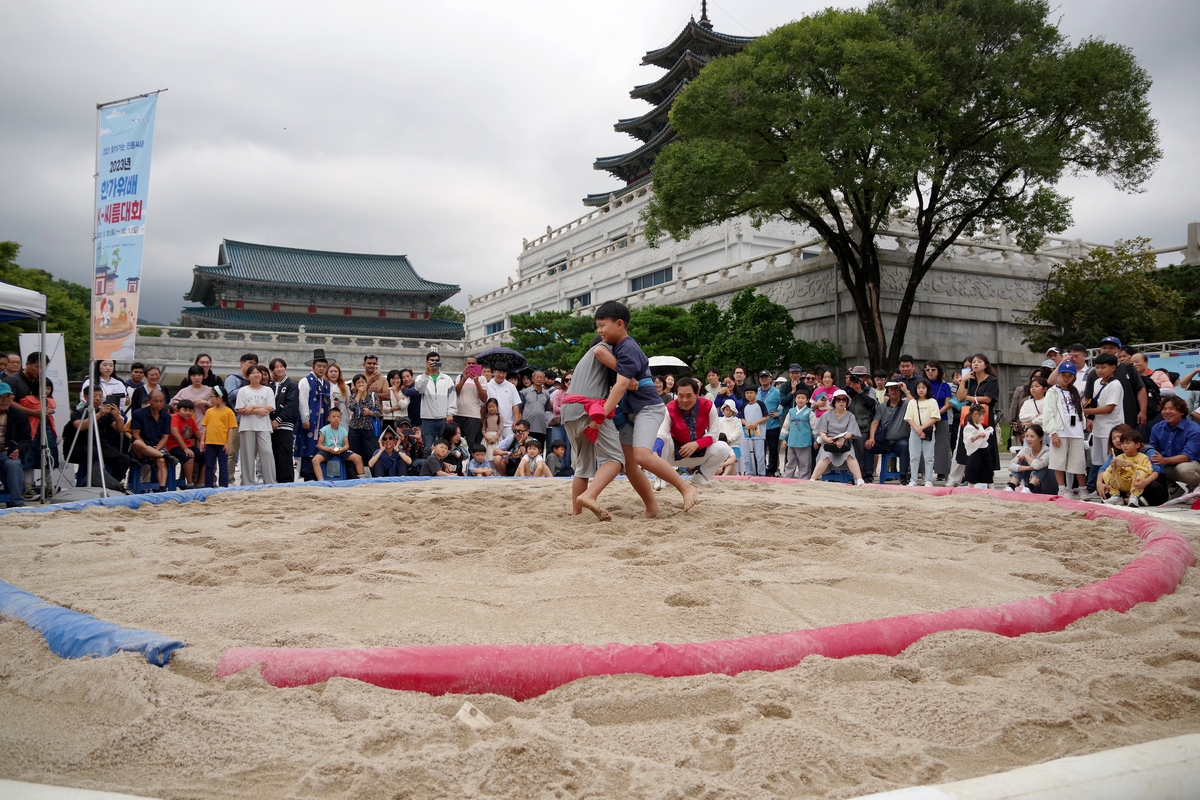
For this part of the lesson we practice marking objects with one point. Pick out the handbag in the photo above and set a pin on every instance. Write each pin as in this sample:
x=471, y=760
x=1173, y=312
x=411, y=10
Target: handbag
x=838, y=448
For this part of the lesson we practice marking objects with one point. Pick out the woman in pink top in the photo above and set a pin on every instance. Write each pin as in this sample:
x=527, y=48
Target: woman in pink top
x=822, y=397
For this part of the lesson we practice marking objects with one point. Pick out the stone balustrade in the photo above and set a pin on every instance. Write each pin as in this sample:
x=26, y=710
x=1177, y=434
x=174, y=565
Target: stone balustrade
x=554, y=233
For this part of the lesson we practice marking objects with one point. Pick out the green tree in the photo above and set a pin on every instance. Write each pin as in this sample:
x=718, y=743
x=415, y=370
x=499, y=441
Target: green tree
x=1186, y=281
x=1108, y=293
x=551, y=339
x=952, y=114
x=663, y=331
x=754, y=331
x=448, y=312
x=67, y=309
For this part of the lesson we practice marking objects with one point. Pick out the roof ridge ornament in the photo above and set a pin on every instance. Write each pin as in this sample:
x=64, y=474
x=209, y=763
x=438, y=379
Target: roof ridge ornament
x=704, y=20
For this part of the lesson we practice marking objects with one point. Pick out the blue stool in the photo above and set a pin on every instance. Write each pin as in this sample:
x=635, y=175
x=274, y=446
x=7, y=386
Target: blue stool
x=135, y=479
x=884, y=472
x=840, y=475
x=334, y=468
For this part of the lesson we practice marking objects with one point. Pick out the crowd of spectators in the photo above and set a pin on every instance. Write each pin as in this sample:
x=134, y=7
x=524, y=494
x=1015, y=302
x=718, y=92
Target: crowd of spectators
x=1111, y=430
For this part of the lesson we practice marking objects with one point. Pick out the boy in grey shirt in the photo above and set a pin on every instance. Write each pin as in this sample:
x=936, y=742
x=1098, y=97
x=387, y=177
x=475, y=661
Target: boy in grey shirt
x=602, y=459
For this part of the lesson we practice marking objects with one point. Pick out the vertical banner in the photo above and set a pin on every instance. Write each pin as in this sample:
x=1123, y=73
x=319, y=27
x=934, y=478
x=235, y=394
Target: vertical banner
x=124, y=135
x=56, y=372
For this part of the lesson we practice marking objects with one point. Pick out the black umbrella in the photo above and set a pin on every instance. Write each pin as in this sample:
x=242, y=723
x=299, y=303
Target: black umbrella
x=504, y=358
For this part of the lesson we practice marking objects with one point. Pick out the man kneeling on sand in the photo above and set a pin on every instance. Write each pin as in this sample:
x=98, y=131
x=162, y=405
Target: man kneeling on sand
x=596, y=453
x=687, y=436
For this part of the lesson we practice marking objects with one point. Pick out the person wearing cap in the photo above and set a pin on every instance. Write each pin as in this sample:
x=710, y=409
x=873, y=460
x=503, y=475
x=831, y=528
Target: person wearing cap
x=1135, y=398
x=233, y=383
x=1077, y=355
x=1063, y=422
x=687, y=436
x=889, y=433
x=15, y=440
x=771, y=397
x=836, y=430
x=1053, y=357
x=729, y=431
x=314, y=403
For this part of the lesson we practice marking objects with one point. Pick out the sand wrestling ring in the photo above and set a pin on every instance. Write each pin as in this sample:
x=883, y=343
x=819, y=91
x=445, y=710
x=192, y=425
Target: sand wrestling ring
x=812, y=641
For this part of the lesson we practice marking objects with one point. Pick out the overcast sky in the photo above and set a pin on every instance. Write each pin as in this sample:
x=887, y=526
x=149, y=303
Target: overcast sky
x=445, y=131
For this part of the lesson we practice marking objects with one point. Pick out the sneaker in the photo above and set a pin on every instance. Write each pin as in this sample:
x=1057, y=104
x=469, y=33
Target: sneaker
x=1113, y=500
x=1025, y=490
x=860, y=482
x=982, y=486
x=1088, y=496
x=1139, y=502
x=928, y=484
x=1009, y=489
x=659, y=483
x=1065, y=492
x=1082, y=494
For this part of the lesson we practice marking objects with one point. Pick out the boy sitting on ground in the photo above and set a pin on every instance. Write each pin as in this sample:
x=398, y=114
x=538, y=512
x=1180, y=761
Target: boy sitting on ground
x=434, y=465
x=479, y=466
x=334, y=440
x=532, y=464
x=556, y=459
x=1126, y=470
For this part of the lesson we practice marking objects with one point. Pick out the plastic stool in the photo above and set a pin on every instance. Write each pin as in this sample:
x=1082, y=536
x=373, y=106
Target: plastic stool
x=885, y=473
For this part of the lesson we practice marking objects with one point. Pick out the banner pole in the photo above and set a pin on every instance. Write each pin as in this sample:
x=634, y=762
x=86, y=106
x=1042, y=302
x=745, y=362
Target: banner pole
x=93, y=433
x=125, y=100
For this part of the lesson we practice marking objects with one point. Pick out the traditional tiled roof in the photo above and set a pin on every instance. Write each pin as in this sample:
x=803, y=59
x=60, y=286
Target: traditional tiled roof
x=600, y=198
x=687, y=67
x=696, y=45
x=648, y=125
x=267, y=264
x=699, y=39
x=385, y=327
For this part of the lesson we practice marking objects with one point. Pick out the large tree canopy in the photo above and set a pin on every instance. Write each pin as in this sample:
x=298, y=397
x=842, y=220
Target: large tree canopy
x=67, y=307
x=954, y=114
x=1109, y=293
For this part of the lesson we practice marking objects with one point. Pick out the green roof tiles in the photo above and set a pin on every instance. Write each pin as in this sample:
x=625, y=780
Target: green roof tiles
x=374, y=327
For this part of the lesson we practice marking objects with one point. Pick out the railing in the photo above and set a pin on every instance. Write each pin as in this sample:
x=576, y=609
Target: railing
x=591, y=216
x=152, y=334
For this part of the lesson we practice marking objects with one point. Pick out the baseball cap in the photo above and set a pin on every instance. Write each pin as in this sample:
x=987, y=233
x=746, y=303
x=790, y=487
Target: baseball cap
x=795, y=368
x=1068, y=367
x=766, y=372
x=1111, y=340
x=781, y=379
x=5, y=388
x=890, y=384
x=1054, y=350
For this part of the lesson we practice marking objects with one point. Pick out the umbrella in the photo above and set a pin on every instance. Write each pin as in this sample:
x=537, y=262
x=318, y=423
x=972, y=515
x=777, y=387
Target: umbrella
x=504, y=358
x=667, y=365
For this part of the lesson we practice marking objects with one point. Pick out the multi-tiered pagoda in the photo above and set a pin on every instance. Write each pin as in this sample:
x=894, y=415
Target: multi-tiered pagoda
x=265, y=288
x=683, y=59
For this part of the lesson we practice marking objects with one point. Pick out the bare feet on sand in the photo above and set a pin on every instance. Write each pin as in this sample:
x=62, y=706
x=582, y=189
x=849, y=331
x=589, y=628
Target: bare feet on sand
x=594, y=507
x=653, y=510
x=576, y=508
x=689, y=498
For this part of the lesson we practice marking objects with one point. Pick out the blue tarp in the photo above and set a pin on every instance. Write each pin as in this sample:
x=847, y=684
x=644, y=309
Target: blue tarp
x=74, y=635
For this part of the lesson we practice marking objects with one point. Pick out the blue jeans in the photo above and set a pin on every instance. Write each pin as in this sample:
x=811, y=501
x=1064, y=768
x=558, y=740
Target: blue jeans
x=14, y=479
x=431, y=431
x=897, y=446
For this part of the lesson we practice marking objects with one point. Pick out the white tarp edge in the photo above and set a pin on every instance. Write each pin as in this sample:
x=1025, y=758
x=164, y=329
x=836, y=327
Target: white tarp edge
x=18, y=303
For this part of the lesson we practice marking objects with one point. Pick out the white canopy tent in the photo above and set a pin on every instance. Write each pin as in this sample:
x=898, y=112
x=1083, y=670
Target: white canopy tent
x=17, y=303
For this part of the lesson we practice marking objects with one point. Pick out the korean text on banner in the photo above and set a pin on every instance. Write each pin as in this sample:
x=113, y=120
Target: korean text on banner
x=124, y=136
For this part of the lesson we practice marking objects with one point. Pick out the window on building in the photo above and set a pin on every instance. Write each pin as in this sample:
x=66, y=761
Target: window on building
x=621, y=239
x=580, y=301
x=557, y=266
x=494, y=327
x=651, y=279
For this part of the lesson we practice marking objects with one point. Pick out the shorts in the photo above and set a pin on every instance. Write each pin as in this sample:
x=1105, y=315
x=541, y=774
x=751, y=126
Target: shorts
x=178, y=453
x=641, y=429
x=1070, y=457
x=584, y=455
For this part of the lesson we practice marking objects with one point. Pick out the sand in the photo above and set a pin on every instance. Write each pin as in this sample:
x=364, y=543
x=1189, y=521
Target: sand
x=449, y=562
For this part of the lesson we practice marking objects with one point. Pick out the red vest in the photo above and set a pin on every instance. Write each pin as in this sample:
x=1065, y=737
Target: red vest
x=679, y=429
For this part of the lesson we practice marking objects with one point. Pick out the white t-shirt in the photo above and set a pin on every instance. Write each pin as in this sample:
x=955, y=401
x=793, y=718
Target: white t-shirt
x=1113, y=393
x=248, y=396
x=1066, y=410
x=506, y=396
x=468, y=399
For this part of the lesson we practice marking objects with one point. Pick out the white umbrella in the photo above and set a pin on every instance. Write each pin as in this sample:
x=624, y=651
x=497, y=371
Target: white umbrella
x=664, y=365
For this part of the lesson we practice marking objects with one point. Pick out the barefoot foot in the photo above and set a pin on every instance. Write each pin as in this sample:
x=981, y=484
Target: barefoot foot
x=690, y=496
x=653, y=510
x=594, y=507
x=576, y=508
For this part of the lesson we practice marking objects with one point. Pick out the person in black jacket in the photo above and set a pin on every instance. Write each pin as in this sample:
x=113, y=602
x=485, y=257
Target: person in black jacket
x=283, y=421
x=15, y=439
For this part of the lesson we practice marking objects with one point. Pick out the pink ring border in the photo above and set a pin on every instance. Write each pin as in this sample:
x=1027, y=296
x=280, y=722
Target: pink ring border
x=524, y=671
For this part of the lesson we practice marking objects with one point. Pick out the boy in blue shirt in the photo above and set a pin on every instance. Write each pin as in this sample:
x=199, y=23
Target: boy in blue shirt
x=333, y=440
x=641, y=407
x=479, y=466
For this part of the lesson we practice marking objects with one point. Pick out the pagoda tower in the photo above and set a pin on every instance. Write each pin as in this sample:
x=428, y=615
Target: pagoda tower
x=693, y=48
